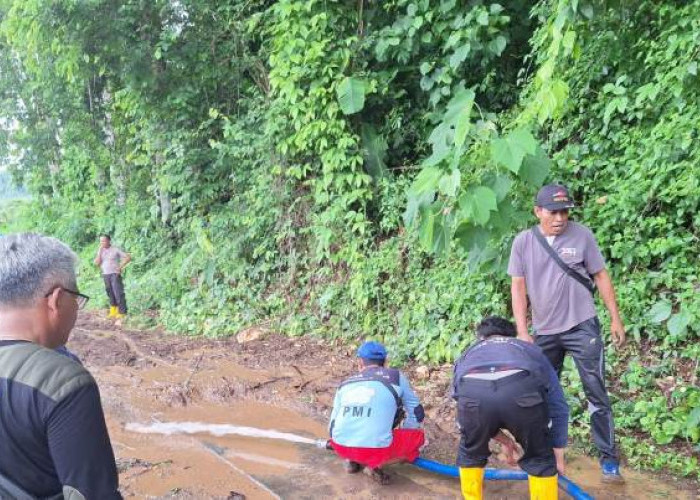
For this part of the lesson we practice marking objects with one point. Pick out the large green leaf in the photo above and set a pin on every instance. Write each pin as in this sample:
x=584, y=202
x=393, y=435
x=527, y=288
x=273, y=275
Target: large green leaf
x=477, y=204
x=374, y=148
x=449, y=183
x=427, y=180
x=460, y=104
x=475, y=241
x=678, y=324
x=442, y=233
x=449, y=137
x=428, y=224
x=462, y=125
x=414, y=204
x=660, y=311
x=426, y=227
x=460, y=55
x=693, y=421
x=498, y=45
x=471, y=237
x=506, y=218
x=440, y=138
x=351, y=95
x=435, y=228
x=510, y=150
x=421, y=193
x=500, y=184
x=535, y=168
x=551, y=98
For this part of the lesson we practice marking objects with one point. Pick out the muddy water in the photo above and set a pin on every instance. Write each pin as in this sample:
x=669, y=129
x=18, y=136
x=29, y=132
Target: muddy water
x=146, y=379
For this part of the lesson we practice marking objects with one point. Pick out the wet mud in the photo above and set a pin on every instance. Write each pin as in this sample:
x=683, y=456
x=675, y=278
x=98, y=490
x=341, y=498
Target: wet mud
x=277, y=383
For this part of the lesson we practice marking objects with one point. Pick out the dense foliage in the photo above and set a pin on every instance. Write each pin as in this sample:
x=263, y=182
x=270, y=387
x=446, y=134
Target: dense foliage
x=359, y=168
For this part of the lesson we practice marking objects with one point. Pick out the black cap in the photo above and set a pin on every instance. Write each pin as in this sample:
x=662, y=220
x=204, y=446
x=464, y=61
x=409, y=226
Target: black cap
x=554, y=197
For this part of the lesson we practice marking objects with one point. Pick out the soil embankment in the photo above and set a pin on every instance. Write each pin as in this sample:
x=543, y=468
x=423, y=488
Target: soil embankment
x=274, y=382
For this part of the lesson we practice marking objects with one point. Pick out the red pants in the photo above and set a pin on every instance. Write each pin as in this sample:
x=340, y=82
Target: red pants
x=404, y=446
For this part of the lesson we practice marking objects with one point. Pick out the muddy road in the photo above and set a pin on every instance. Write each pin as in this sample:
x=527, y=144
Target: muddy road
x=271, y=382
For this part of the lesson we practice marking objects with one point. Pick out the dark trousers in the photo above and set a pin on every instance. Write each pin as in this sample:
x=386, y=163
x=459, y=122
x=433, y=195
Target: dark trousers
x=586, y=347
x=114, y=286
x=515, y=403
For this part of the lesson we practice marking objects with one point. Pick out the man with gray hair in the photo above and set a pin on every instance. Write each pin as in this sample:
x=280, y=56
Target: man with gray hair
x=54, y=440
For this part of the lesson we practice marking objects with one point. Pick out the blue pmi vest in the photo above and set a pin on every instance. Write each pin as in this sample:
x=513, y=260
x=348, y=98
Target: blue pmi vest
x=370, y=407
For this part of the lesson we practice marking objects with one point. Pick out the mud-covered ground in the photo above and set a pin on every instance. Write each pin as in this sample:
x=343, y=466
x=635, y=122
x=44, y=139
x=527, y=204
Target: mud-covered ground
x=270, y=382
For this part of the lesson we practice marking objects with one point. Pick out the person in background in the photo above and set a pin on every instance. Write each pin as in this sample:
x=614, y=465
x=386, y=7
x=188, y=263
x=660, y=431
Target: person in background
x=53, y=437
x=502, y=382
x=112, y=261
x=376, y=418
x=558, y=266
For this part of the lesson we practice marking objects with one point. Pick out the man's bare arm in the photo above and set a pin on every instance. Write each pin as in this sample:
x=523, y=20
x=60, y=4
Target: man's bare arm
x=607, y=293
x=125, y=261
x=518, y=293
x=561, y=461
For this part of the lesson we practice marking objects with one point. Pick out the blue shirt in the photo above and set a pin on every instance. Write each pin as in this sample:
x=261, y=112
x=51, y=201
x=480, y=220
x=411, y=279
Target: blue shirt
x=363, y=412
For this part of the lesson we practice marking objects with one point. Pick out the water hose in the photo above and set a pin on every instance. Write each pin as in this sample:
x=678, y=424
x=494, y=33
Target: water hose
x=499, y=475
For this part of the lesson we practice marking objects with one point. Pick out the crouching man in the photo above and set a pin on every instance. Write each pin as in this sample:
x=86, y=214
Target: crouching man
x=376, y=416
x=502, y=382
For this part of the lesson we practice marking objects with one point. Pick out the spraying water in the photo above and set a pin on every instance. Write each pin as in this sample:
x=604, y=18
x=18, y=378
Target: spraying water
x=169, y=428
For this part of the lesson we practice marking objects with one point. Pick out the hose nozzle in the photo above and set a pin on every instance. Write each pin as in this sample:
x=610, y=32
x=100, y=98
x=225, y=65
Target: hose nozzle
x=324, y=444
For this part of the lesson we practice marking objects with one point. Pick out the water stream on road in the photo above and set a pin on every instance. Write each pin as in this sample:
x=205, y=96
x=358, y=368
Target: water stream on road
x=169, y=428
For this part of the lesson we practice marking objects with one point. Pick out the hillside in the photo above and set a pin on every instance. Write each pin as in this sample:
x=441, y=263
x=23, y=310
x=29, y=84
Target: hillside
x=359, y=169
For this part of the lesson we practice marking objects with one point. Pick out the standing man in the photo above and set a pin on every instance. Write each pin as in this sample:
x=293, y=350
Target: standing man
x=112, y=262
x=53, y=437
x=367, y=411
x=558, y=266
x=505, y=383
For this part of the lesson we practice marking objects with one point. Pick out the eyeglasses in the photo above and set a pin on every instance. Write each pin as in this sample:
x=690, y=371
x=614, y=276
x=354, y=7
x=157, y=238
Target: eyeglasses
x=80, y=298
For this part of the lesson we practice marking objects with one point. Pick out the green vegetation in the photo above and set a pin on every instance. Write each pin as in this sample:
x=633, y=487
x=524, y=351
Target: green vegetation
x=353, y=169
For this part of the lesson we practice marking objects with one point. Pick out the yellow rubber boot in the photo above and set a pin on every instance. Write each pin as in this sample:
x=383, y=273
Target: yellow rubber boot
x=543, y=488
x=471, y=480
x=113, y=311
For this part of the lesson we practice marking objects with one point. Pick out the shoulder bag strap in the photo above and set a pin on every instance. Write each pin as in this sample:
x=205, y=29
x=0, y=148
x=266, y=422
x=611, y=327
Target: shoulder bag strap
x=590, y=286
x=381, y=380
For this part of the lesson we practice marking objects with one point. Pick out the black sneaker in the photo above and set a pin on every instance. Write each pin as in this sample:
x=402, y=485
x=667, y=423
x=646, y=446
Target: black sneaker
x=378, y=476
x=352, y=467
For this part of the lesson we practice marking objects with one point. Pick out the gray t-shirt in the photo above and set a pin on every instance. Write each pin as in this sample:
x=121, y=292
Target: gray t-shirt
x=558, y=301
x=111, y=259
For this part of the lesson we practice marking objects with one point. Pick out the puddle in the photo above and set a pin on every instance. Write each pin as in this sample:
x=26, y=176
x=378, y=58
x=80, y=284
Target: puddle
x=195, y=419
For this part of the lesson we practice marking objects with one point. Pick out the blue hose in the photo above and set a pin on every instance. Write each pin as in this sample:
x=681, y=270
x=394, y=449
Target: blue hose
x=452, y=471
x=573, y=490
x=500, y=474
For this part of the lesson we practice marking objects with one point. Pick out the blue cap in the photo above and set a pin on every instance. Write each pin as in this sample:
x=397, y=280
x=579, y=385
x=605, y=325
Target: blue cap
x=372, y=350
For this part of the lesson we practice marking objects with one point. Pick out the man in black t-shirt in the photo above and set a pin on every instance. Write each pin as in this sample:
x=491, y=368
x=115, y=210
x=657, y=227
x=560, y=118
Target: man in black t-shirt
x=53, y=432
